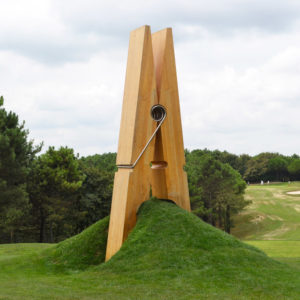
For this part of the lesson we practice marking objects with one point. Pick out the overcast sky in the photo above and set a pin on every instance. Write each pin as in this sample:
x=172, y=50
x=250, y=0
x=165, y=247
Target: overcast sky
x=63, y=63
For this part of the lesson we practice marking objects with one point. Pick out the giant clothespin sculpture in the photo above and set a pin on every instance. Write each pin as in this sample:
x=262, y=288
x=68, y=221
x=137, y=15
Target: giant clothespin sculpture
x=150, y=151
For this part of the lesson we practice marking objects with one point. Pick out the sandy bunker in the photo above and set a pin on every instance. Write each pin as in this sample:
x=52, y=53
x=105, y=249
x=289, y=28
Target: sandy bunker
x=294, y=193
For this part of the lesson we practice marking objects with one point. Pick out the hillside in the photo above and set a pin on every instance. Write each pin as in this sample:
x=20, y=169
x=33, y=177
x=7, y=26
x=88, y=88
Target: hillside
x=170, y=254
x=273, y=214
x=272, y=221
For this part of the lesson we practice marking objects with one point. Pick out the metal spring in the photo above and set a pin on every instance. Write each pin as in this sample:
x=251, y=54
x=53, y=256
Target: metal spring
x=158, y=114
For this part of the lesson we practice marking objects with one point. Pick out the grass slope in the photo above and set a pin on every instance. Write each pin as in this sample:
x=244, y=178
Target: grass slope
x=170, y=254
x=284, y=251
x=80, y=251
x=272, y=221
x=273, y=214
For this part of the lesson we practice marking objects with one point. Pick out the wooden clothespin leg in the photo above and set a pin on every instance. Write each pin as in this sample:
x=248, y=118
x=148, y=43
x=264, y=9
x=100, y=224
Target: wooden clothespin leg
x=151, y=81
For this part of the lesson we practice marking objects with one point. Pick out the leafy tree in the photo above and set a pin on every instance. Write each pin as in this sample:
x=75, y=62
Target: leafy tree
x=95, y=194
x=277, y=168
x=294, y=168
x=54, y=182
x=216, y=189
x=226, y=158
x=237, y=162
x=193, y=169
x=16, y=154
x=230, y=199
x=242, y=163
x=105, y=162
x=257, y=167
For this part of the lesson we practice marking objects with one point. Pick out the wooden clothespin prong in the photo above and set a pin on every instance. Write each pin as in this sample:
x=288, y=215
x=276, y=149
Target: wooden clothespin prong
x=151, y=82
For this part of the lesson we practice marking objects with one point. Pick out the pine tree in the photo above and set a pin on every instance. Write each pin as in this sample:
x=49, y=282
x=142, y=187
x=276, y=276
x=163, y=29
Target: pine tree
x=16, y=155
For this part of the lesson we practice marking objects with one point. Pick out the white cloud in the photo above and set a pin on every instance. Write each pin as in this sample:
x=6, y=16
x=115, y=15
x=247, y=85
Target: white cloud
x=248, y=107
x=62, y=69
x=59, y=102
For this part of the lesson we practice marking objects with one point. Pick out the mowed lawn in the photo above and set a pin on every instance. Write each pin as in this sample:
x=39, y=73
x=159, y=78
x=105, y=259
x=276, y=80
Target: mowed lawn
x=170, y=254
x=285, y=251
x=272, y=221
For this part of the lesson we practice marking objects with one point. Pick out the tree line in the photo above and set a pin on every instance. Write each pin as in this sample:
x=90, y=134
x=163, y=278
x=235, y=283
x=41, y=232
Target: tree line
x=51, y=196
x=265, y=166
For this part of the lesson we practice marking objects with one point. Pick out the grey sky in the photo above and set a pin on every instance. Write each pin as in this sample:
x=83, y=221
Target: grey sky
x=62, y=69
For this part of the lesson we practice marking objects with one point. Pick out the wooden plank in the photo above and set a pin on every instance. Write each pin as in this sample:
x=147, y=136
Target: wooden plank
x=171, y=130
x=117, y=214
x=158, y=175
x=132, y=186
x=146, y=70
x=139, y=95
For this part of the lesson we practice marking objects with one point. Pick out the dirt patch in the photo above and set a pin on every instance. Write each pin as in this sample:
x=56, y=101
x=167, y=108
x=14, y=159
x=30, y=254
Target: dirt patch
x=297, y=207
x=273, y=234
x=280, y=195
x=275, y=218
x=268, y=202
x=258, y=219
x=248, y=197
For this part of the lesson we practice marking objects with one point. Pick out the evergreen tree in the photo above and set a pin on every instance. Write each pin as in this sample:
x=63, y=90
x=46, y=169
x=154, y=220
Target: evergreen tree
x=216, y=189
x=54, y=183
x=294, y=169
x=16, y=155
x=95, y=194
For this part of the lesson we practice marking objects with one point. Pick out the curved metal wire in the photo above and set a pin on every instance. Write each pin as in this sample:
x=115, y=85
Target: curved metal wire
x=155, y=116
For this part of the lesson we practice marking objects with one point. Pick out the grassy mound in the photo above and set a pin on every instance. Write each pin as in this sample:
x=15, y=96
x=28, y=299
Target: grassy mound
x=82, y=250
x=170, y=254
x=171, y=245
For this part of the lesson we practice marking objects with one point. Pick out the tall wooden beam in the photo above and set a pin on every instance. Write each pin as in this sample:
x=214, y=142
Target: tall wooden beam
x=170, y=146
x=150, y=80
x=132, y=186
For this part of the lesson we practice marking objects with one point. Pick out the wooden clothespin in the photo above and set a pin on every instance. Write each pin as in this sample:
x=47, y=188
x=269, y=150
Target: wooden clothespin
x=150, y=152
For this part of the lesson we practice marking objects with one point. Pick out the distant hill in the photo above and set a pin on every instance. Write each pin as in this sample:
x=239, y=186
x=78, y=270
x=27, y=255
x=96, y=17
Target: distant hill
x=272, y=221
x=273, y=214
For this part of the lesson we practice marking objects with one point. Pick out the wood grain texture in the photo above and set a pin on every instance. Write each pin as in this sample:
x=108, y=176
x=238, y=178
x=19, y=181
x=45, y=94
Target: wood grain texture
x=150, y=79
x=139, y=96
x=132, y=186
x=171, y=145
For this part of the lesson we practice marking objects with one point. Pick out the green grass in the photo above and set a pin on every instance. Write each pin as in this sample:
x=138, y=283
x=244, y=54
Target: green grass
x=81, y=251
x=170, y=254
x=273, y=214
x=272, y=221
x=284, y=251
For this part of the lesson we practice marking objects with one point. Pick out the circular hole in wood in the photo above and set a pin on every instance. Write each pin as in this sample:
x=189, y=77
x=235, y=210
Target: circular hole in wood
x=158, y=112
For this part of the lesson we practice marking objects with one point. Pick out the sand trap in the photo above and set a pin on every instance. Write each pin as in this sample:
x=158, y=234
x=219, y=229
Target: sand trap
x=294, y=193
